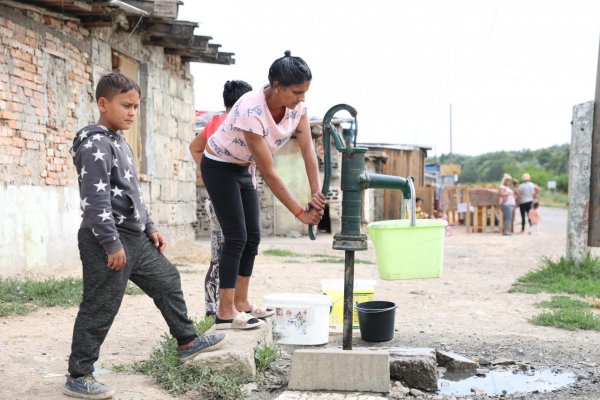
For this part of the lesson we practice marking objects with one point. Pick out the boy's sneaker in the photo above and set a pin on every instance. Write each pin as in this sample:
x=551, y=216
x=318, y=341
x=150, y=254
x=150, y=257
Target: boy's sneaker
x=87, y=387
x=201, y=344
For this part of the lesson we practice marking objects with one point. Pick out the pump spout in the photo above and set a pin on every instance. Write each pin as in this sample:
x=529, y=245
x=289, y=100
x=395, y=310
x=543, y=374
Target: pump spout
x=380, y=181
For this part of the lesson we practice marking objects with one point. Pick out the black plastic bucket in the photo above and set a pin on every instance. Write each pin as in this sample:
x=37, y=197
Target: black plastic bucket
x=376, y=320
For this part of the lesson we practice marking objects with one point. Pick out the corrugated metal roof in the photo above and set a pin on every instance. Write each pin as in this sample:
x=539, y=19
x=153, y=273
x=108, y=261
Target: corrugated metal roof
x=393, y=146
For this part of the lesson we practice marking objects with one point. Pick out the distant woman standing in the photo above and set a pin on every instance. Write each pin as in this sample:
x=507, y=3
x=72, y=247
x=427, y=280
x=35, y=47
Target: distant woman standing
x=507, y=203
x=528, y=192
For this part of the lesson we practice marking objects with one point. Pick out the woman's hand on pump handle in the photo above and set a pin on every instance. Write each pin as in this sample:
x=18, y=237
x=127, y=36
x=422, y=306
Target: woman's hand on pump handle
x=317, y=201
x=315, y=210
x=311, y=216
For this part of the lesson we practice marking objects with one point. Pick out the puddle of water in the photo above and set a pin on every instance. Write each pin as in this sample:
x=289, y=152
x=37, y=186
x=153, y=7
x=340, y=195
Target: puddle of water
x=496, y=382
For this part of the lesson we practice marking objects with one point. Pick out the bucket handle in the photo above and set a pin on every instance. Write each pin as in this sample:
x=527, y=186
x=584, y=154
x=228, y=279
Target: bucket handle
x=378, y=310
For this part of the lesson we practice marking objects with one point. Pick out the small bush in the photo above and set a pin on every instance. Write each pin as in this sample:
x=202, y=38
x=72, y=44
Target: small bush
x=264, y=355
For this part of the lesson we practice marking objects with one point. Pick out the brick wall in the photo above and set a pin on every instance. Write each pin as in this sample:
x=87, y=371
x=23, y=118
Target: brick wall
x=43, y=76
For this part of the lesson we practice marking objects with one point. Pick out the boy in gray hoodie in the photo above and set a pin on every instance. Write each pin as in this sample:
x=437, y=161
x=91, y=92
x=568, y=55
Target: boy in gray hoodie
x=118, y=241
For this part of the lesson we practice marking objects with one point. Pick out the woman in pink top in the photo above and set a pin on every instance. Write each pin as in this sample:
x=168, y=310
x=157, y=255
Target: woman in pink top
x=507, y=204
x=258, y=125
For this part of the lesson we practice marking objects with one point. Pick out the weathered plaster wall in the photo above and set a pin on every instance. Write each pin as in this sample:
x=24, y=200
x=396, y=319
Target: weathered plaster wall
x=48, y=73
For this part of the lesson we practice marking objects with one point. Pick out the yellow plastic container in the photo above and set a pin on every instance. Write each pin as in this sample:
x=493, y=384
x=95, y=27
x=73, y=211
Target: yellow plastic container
x=364, y=290
x=408, y=252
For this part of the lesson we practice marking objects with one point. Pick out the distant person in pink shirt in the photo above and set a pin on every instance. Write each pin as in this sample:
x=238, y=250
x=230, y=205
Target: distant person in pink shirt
x=534, y=218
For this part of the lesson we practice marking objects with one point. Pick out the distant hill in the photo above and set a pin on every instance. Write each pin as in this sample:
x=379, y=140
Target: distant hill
x=543, y=165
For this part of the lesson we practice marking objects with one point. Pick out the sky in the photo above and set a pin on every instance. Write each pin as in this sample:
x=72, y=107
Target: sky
x=510, y=71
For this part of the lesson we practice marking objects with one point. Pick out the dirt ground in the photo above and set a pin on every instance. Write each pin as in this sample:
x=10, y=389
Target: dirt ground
x=468, y=310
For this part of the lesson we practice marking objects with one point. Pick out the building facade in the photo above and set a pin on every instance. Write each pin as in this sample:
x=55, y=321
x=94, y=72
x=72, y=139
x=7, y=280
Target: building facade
x=51, y=57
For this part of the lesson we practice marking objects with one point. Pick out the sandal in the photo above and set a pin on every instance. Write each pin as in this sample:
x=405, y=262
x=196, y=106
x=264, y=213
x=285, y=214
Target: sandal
x=241, y=321
x=260, y=312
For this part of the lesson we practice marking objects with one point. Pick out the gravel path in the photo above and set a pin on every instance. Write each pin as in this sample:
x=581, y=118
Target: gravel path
x=468, y=311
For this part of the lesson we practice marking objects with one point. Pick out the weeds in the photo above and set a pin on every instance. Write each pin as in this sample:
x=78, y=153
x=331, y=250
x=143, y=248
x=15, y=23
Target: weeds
x=320, y=258
x=133, y=289
x=280, y=253
x=563, y=276
x=264, y=355
x=562, y=302
x=568, y=318
x=166, y=369
x=338, y=260
x=23, y=297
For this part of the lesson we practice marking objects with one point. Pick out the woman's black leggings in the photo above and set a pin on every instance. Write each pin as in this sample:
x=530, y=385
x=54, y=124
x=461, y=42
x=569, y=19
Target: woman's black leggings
x=524, y=208
x=235, y=201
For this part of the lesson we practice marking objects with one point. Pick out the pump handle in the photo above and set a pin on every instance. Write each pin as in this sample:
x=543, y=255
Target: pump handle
x=340, y=145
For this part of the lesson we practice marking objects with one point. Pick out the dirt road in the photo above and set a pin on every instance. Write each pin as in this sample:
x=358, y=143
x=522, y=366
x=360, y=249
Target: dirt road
x=468, y=310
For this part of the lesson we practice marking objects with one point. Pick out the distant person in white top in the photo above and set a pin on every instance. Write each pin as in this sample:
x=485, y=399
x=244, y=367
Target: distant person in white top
x=528, y=192
x=507, y=203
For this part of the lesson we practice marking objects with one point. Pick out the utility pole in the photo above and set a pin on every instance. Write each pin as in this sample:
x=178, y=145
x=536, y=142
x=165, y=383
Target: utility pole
x=594, y=207
x=451, y=156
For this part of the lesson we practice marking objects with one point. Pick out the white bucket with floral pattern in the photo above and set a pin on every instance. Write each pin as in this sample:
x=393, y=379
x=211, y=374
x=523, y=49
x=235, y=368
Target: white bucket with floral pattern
x=300, y=318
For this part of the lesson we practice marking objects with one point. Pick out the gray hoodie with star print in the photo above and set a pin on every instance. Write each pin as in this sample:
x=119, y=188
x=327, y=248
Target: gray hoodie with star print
x=111, y=197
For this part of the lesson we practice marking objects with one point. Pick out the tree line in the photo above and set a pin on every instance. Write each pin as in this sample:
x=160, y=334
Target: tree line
x=548, y=164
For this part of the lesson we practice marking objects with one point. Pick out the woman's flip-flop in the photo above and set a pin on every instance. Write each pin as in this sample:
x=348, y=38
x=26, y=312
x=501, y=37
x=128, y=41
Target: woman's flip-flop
x=261, y=312
x=241, y=321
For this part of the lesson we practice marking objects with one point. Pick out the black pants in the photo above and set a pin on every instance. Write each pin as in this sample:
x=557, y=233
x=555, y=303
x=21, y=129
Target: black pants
x=524, y=208
x=235, y=201
x=103, y=291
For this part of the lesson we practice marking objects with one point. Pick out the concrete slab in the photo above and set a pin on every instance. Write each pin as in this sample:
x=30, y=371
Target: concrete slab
x=238, y=352
x=358, y=370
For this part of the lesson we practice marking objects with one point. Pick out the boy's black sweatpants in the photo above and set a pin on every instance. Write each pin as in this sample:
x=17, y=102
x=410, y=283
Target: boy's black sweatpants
x=103, y=291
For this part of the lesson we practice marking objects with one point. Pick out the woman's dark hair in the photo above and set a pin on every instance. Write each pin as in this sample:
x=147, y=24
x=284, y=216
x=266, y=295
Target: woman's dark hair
x=289, y=70
x=233, y=90
x=114, y=83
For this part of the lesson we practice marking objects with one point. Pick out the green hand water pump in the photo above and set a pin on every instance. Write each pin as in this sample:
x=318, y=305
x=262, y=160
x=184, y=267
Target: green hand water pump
x=354, y=180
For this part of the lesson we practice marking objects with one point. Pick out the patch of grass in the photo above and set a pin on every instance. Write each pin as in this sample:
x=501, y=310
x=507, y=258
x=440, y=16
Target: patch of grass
x=22, y=297
x=166, y=369
x=133, y=289
x=19, y=297
x=264, y=355
x=563, y=276
x=562, y=302
x=568, y=318
x=9, y=308
x=280, y=253
x=340, y=260
x=205, y=324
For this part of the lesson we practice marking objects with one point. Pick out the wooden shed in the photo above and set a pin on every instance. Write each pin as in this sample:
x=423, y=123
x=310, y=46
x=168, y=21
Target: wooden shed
x=405, y=161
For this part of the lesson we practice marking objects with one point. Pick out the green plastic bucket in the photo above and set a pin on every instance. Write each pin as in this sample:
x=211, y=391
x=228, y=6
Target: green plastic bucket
x=408, y=252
